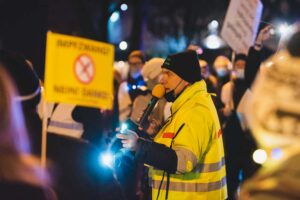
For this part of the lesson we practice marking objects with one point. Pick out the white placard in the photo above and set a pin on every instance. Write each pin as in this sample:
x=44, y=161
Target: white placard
x=241, y=23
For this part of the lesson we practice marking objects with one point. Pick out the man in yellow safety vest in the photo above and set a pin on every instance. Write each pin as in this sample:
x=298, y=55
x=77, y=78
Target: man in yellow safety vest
x=186, y=155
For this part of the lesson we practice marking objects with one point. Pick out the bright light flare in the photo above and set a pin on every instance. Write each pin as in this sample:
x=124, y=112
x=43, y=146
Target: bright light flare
x=283, y=29
x=124, y=7
x=259, y=156
x=107, y=159
x=114, y=17
x=213, y=42
x=123, y=45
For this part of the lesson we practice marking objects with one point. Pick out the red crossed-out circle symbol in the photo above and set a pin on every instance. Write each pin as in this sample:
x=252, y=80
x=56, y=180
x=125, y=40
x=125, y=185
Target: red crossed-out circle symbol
x=84, y=68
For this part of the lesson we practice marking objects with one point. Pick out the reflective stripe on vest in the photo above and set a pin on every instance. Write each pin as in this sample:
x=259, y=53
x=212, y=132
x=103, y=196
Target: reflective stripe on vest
x=209, y=167
x=191, y=187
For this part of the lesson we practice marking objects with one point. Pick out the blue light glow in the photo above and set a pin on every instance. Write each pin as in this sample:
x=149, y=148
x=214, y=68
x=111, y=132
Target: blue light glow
x=115, y=16
x=107, y=159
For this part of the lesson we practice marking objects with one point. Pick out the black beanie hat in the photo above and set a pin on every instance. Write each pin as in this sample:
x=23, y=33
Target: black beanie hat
x=185, y=65
x=25, y=79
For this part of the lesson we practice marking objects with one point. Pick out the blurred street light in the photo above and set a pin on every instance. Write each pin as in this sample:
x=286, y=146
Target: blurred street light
x=124, y=7
x=259, y=156
x=213, y=25
x=123, y=45
x=213, y=42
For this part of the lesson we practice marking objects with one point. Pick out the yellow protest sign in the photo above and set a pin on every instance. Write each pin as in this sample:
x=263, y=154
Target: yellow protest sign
x=79, y=71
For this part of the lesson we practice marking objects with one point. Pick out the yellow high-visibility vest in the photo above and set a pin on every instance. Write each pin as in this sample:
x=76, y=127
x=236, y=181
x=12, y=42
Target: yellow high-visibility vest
x=199, y=147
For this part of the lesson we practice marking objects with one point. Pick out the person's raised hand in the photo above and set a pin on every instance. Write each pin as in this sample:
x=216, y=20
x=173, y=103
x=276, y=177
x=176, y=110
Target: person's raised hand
x=263, y=35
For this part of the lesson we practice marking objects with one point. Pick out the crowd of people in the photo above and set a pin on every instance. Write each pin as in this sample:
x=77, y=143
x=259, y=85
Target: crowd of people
x=197, y=143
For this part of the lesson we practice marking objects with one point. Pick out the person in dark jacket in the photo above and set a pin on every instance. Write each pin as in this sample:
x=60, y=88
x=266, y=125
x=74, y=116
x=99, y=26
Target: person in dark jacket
x=237, y=137
x=256, y=55
x=238, y=143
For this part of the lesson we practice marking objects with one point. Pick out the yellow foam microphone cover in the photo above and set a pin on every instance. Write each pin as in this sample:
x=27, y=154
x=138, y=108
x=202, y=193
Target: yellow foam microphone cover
x=158, y=91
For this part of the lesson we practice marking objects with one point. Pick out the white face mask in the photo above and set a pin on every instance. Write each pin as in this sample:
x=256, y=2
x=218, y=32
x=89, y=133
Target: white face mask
x=221, y=72
x=240, y=73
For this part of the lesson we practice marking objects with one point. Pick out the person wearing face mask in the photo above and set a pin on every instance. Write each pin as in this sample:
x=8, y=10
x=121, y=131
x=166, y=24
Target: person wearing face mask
x=237, y=142
x=222, y=68
x=186, y=155
x=133, y=86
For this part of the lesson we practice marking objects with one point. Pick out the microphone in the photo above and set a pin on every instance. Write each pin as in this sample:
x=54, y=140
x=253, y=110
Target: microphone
x=157, y=93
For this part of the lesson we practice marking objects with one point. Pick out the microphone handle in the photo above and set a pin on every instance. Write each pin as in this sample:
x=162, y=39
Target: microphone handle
x=147, y=111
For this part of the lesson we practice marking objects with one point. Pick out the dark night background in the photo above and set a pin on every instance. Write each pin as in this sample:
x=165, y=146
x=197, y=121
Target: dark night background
x=158, y=27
